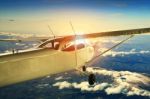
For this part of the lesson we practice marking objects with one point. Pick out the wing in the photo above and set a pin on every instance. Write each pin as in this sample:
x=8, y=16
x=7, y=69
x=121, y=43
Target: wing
x=25, y=39
x=94, y=59
x=114, y=33
x=118, y=33
x=103, y=34
x=62, y=39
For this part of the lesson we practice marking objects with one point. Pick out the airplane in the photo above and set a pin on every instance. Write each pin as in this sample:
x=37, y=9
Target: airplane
x=56, y=55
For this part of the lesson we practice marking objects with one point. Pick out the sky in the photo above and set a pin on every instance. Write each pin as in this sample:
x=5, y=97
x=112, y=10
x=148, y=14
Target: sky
x=34, y=16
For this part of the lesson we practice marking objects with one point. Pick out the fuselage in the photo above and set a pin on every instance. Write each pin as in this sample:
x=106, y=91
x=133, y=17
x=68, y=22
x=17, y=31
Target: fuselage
x=40, y=62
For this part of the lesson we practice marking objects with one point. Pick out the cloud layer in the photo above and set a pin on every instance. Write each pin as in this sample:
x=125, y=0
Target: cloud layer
x=123, y=53
x=125, y=82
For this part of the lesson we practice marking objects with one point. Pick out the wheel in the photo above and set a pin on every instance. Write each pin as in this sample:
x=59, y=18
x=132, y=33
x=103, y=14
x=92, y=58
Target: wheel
x=84, y=68
x=91, y=79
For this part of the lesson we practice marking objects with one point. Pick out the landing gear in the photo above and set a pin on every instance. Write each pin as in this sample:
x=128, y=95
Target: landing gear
x=91, y=79
x=91, y=76
x=84, y=68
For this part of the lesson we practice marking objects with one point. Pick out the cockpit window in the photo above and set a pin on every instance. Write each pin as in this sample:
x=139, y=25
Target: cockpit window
x=71, y=46
x=49, y=45
x=68, y=46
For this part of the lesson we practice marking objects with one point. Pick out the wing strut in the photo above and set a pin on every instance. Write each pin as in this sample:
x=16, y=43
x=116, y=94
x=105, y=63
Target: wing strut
x=91, y=76
x=75, y=45
x=53, y=35
x=50, y=29
x=95, y=58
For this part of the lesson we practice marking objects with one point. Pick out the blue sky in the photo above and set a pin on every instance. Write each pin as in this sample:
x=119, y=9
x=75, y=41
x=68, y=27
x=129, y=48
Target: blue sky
x=21, y=14
x=13, y=6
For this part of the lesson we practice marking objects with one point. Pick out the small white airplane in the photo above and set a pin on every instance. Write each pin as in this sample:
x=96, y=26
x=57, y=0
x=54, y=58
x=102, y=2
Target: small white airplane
x=55, y=55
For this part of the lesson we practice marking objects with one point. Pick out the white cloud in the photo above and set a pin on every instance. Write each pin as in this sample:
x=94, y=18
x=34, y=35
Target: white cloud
x=100, y=86
x=63, y=84
x=137, y=91
x=115, y=90
x=48, y=76
x=125, y=82
x=83, y=86
x=123, y=53
x=23, y=35
x=42, y=85
x=59, y=78
x=20, y=44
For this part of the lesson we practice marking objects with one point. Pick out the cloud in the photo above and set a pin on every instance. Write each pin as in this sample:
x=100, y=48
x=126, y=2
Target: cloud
x=20, y=44
x=125, y=82
x=23, y=35
x=83, y=86
x=123, y=53
x=115, y=90
x=63, y=84
x=48, y=76
x=137, y=91
x=42, y=85
x=100, y=86
x=59, y=78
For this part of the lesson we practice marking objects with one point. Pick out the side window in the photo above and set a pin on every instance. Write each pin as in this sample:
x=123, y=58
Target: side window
x=56, y=45
x=49, y=45
x=71, y=47
x=79, y=46
x=64, y=46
